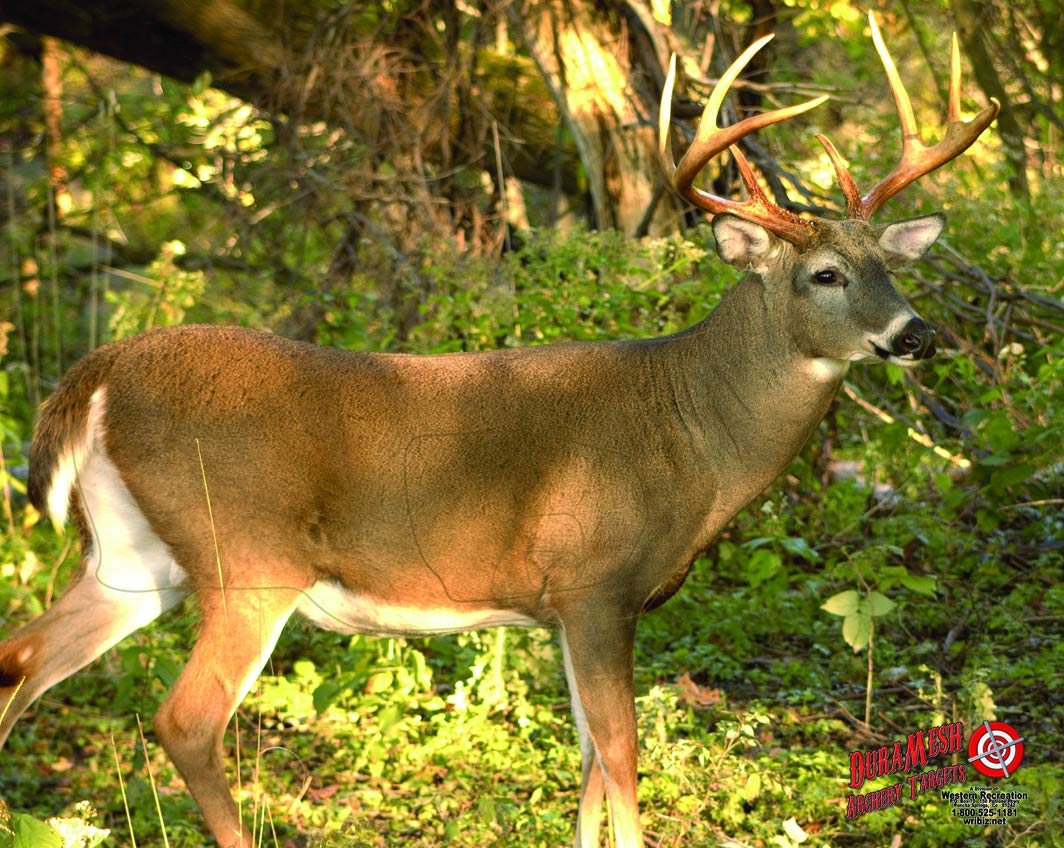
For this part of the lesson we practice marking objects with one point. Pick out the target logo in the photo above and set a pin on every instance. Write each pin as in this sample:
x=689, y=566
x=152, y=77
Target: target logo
x=995, y=749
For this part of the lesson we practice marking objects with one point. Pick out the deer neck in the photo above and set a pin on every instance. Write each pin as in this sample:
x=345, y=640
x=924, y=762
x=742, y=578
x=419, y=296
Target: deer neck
x=748, y=394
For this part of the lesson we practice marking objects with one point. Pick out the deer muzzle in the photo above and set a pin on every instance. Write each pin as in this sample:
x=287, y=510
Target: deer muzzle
x=916, y=339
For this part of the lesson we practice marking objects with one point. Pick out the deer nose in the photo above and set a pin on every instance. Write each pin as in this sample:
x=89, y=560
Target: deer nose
x=916, y=338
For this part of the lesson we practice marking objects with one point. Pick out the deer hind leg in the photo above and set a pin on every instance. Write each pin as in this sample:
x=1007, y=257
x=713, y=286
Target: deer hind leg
x=128, y=579
x=240, y=629
x=599, y=652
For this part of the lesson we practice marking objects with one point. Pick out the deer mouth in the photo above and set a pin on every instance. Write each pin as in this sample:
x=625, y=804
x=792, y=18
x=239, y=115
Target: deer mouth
x=905, y=360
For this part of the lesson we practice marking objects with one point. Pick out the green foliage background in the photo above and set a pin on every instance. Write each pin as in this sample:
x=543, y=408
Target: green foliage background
x=945, y=565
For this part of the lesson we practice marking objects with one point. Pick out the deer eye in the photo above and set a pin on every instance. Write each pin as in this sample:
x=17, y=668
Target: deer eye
x=828, y=277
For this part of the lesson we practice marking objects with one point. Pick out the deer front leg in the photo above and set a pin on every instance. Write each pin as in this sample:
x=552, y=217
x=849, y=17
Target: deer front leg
x=238, y=635
x=592, y=789
x=599, y=653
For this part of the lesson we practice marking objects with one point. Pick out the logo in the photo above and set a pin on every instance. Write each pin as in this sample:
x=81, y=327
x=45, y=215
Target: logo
x=995, y=749
x=903, y=757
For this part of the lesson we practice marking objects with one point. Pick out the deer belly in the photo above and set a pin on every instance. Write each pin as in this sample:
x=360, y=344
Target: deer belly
x=331, y=606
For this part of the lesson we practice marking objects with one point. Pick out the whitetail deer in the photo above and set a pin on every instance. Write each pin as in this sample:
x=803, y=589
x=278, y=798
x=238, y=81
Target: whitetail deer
x=569, y=485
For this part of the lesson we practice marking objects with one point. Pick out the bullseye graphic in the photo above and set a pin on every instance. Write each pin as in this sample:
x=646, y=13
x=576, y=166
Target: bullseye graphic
x=995, y=749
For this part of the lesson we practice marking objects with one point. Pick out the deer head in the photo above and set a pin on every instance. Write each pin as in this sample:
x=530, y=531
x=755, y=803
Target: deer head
x=843, y=304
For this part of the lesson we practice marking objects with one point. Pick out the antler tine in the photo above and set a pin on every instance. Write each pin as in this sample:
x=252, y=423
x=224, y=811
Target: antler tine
x=711, y=139
x=955, y=82
x=842, y=174
x=909, y=131
x=668, y=163
x=916, y=158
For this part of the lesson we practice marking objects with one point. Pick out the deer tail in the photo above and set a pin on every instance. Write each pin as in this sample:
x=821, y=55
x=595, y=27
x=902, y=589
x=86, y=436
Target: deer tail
x=68, y=429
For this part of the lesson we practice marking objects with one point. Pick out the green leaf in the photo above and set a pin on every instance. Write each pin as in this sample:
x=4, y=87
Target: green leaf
x=166, y=670
x=379, y=682
x=1007, y=477
x=325, y=695
x=800, y=547
x=30, y=833
x=1001, y=434
x=389, y=716
x=921, y=584
x=974, y=416
x=762, y=565
x=856, y=629
x=987, y=519
x=844, y=603
x=486, y=809
x=879, y=604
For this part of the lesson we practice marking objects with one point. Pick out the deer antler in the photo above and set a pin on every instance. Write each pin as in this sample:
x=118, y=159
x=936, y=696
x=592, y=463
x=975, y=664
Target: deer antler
x=916, y=158
x=710, y=140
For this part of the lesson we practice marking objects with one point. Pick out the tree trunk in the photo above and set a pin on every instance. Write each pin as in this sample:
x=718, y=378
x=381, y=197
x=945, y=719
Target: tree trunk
x=585, y=56
x=972, y=18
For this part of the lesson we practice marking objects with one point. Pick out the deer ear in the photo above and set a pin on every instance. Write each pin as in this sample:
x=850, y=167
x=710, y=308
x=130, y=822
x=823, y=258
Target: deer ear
x=741, y=243
x=906, y=241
